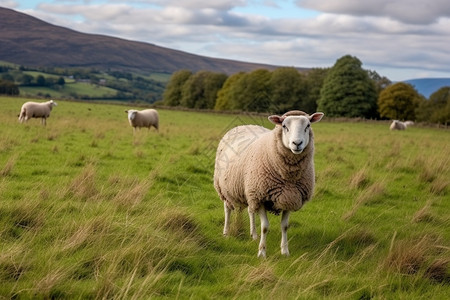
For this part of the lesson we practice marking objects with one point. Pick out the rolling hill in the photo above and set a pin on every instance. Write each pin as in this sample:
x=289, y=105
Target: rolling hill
x=28, y=41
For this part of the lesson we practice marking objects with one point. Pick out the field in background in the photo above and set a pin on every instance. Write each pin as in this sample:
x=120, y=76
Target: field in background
x=87, y=210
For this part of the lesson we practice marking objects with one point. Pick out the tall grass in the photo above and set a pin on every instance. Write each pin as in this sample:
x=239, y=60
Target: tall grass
x=89, y=210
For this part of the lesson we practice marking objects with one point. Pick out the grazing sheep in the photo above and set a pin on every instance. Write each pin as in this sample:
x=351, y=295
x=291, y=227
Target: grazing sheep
x=36, y=110
x=143, y=118
x=408, y=123
x=267, y=170
x=397, y=125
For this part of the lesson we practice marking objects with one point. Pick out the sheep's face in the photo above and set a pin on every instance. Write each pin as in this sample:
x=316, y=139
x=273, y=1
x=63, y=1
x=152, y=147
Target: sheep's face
x=53, y=103
x=296, y=130
x=131, y=114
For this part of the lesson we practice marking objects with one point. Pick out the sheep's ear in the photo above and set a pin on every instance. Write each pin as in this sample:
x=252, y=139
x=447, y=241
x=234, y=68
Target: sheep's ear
x=126, y=111
x=277, y=120
x=316, y=117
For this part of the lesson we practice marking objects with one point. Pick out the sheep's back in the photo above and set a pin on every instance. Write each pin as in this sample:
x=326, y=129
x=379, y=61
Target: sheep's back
x=34, y=109
x=146, y=118
x=398, y=126
x=237, y=140
x=233, y=152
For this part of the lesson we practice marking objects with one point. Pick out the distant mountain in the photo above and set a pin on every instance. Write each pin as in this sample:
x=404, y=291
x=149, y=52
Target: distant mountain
x=427, y=86
x=28, y=41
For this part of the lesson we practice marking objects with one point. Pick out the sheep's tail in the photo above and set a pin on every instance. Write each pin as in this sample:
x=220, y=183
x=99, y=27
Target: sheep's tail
x=22, y=114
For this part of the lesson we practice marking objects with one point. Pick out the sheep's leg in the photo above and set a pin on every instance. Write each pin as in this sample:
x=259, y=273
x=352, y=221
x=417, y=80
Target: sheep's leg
x=264, y=229
x=253, y=233
x=284, y=228
x=227, y=211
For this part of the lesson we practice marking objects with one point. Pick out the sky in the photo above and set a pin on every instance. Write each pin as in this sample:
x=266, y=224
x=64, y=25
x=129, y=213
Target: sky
x=399, y=39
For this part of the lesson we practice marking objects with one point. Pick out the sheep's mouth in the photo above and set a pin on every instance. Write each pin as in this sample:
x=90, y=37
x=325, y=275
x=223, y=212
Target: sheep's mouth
x=296, y=151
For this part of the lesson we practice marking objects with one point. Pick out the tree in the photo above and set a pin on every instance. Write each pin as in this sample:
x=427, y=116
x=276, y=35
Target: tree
x=314, y=82
x=288, y=90
x=172, y=93
x=348, y=91
x=380, y=82
x=212, y=85
x=26, y=79
x=40, y=80
x=8, y=87
x=7, y=77
x=200, y=90
x=226, y=95
x=252, y=91
x=437, y=108
x=61, y=81
x=398, y=101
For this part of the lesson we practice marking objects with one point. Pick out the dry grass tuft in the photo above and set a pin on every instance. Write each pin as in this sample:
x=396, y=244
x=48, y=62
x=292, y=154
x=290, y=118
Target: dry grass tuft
x=49, y=281
x=439, y=271
x=262, y=275
x=439, y=186
x=78, y=237
x=133, y=193
x=406, y=256
x=27, y=217
x=178, y=222
x=410, y=256
x=375, y=190
x=83, y=185
x=360, y=179
x=427, y=174
x=8, y=167
x=424, y=214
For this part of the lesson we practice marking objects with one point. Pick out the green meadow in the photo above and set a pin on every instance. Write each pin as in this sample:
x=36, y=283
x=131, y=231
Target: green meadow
x=90, y=211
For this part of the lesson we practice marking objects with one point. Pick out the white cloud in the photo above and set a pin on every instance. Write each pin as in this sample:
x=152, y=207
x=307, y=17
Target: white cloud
x=406, y=11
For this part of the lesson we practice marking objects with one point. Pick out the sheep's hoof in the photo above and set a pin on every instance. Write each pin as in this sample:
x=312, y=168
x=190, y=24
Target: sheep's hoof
x=254, y=236
x=262, y=253
x=285, y=250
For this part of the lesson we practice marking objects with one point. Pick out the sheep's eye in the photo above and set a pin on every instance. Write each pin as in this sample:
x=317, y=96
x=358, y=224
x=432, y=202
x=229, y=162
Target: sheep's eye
x=285, y=127
x=307, y=126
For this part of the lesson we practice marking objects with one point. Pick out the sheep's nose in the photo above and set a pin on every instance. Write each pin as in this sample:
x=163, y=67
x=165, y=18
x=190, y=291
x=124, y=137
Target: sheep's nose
x=297, y=143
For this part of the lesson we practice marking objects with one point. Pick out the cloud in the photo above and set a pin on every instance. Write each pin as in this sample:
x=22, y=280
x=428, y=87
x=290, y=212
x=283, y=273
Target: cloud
x=405, y=11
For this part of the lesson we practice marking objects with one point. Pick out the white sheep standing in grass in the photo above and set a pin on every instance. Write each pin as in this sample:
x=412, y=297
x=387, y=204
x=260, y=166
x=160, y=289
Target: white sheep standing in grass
x=36, y=110
x=397, y=125
x=267, y=170
x=143, y=118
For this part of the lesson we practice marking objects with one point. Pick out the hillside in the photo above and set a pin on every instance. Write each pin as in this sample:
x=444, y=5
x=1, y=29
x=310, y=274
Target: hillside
x=427, y=86
x=28, y=41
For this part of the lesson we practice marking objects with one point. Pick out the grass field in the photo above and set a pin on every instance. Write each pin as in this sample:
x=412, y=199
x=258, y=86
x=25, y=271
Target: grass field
x=76, y=88
x=87, y=210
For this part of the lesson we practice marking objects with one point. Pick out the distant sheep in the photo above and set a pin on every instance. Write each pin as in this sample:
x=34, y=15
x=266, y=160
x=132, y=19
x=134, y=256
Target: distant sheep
x=408, y=123
x=397, y=125
x=143, y=118
x=267, y=170
x=36, y=110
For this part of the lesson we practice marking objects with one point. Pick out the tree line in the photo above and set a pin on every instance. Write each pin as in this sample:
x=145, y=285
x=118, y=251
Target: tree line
x=344, y=90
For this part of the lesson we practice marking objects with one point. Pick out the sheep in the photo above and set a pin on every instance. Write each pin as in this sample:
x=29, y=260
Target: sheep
x=144, y=118
x=267, y=170
x=408, y=123
x=397, y=125
x=36, y=110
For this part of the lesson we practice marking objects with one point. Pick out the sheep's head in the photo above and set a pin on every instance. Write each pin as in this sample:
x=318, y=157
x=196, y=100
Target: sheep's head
x=131, y=114
x=52, y=103
x=296, y=127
